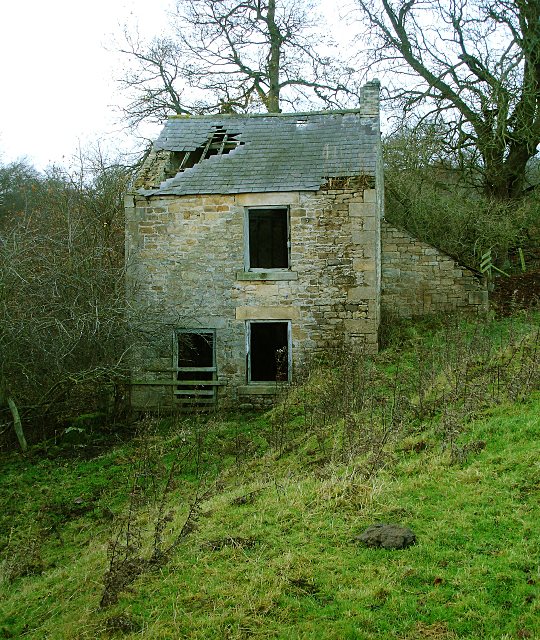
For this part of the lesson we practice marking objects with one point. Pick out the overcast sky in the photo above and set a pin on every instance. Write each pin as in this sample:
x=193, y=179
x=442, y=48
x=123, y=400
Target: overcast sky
x=58, y=85
x=58, y=71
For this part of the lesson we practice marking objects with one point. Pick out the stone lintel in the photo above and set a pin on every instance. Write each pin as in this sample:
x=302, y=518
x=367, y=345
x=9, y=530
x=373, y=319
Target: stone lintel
x=267, y=199
x=203, y=322
x=267, y=313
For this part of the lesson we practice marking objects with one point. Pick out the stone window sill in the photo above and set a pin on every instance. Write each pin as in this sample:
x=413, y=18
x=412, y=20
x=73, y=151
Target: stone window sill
x=266, y=275
x=260, y=389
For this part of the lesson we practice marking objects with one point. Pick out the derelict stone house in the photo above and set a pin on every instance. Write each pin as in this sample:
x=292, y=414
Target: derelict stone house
x=253, y=240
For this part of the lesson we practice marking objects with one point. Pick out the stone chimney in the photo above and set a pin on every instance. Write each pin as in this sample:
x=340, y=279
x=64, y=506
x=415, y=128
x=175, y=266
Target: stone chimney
x=370, y=98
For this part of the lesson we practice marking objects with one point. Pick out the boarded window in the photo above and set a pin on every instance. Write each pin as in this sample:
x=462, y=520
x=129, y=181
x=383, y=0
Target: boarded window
x=195, y=366
x=268, y=239
x=268, y=351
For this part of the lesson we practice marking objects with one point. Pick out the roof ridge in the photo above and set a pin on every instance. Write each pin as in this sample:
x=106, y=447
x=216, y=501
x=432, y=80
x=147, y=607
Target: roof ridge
x=369, y=98
x=287, y=114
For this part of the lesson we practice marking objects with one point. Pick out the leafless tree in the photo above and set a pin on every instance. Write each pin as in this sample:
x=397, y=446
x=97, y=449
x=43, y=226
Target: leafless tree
x=62, y=304
x=18, y=182
x=471, y=67
x=235, y=56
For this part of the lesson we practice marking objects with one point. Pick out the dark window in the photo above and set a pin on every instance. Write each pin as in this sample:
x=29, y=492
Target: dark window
x=268, y=238
x=195, y=366
x=268, y=351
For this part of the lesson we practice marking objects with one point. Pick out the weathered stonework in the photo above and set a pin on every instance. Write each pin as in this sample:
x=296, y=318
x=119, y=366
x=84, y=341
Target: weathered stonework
x=317, y=180
x=185, y=257
x=154, y=169
x=418, y=279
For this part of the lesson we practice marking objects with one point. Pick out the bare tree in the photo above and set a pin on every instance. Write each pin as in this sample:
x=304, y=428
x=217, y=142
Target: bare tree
x=18, y=182
x=62, y=306
x=471, y=67
x=235, y=56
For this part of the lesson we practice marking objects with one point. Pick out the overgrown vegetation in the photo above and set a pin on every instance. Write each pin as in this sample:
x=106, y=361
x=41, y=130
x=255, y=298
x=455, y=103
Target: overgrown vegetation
x=429, y=197
x=245, y=526
x=62, y=307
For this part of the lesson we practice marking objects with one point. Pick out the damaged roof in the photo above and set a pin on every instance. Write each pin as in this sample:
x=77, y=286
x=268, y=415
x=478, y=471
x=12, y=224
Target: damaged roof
x=268, y=152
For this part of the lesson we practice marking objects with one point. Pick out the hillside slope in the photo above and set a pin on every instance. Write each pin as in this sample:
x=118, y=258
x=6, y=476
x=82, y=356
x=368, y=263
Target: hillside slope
x=246, y=526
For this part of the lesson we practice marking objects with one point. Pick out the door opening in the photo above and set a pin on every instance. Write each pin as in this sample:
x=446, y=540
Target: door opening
x=269, y=351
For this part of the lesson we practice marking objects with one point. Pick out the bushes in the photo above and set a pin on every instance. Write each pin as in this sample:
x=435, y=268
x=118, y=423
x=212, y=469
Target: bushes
x=441, y=205
x=435, y=373
x=62, y=310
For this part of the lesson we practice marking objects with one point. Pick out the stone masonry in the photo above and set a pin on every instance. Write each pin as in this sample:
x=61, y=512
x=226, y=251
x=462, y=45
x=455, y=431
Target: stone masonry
x=186, y=270
x=418, y=279
x=195, y=206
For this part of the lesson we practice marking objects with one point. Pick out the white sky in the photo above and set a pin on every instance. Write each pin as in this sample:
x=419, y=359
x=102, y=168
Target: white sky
x=58, y=87
x=58, y=70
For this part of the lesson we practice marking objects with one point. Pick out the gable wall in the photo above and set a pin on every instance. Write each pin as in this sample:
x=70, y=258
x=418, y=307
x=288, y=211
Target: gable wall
x=418, y=279
x=185, y=257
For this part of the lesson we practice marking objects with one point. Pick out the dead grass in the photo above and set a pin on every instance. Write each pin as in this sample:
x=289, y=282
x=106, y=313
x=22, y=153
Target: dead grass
x=271, y=550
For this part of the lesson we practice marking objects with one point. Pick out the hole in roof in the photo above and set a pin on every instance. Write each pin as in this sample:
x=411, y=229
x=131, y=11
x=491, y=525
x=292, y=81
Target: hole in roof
x=219, y=142
x=301, y=122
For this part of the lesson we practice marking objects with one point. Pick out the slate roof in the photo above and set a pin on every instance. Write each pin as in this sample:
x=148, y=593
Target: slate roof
x=278, y=152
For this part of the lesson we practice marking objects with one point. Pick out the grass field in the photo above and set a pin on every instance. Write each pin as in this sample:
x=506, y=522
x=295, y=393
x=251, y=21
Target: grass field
x=245, y=526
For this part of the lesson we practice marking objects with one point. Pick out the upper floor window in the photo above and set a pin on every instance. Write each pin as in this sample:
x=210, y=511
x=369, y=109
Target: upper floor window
x=267, y=234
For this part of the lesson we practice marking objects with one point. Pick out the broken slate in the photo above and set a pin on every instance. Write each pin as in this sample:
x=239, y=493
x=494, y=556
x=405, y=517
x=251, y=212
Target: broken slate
x=387, y=536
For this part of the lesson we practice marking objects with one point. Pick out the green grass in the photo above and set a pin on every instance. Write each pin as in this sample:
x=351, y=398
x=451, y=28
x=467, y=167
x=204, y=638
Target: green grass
x=273, y=552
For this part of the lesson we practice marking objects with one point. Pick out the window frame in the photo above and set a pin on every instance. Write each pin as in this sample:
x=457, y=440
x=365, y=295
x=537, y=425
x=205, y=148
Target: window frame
x=208, y=392
x=249, y=323
x=247, y=265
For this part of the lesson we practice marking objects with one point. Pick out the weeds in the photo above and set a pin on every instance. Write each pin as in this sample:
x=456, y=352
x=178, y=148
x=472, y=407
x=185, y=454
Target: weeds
x=357, y=407
x=152, y=525
x=267, y=547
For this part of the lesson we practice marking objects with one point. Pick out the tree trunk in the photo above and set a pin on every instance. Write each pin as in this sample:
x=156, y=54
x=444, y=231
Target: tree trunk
x=505, y=179
x=274, y=60
x=17, y=424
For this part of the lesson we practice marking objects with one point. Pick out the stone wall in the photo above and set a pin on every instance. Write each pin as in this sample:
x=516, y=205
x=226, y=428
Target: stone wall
x=418, y=279
x=185, y=261
x=153, y=170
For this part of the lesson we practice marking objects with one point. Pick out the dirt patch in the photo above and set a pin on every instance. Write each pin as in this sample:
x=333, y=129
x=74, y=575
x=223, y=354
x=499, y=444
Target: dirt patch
x=248, y=498
x=521, y=291
x=435, y=631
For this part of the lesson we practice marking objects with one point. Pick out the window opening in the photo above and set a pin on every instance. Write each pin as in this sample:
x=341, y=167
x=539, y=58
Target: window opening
x=219, y=142
x=268, y=238
x=269, y=351
x=195, y=367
